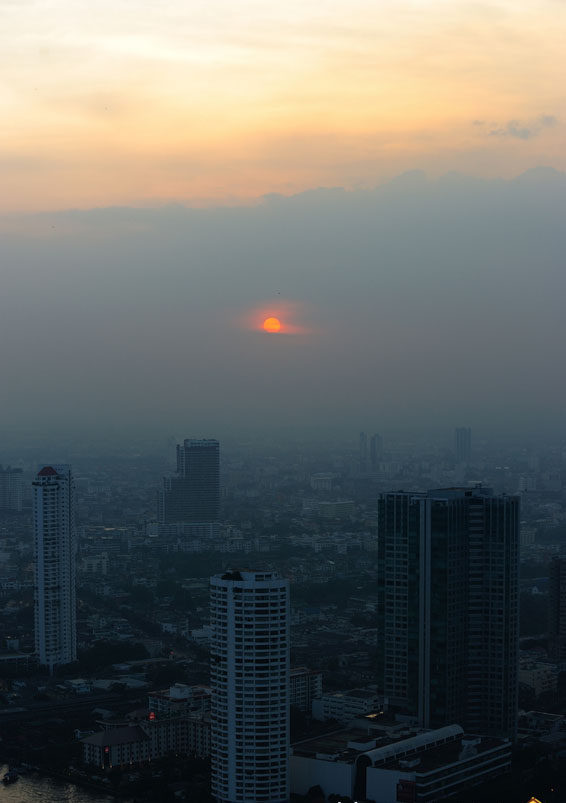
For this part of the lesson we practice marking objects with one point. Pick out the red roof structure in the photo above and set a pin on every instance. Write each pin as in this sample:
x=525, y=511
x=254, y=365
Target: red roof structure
x=47, y=471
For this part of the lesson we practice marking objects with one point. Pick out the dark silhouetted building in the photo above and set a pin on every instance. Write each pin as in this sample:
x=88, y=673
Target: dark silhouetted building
x=463, y=444
x=193, y=494
x=557, y=610
x=55, y=575
x=448, y=607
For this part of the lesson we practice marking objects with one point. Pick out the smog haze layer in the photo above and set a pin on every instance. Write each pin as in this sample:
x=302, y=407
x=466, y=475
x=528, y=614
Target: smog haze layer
x=421, y=303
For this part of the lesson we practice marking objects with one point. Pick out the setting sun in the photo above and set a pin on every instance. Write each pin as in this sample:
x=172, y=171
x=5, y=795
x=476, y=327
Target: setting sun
x=272, y=325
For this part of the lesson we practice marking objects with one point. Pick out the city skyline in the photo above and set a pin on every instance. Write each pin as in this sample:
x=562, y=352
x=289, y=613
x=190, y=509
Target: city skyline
x=346, y=579
x=328, y=237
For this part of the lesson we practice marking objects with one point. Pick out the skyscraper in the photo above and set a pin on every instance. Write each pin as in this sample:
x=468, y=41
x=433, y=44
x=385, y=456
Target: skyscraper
x=193, y=494
x=55, y=554
x=463, y=444
x=375, y=450
x=11, y=489
x=249, y=654
x=448, y=586
x=363, y=451
x=557, y=610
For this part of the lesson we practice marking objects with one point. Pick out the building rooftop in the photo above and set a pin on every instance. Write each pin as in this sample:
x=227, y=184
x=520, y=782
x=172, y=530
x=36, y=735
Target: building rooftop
x=248, y=576
x=441, y=755
x=336, y=743
x=360, y=694
x=303, y=670
x=47, y=471
x=113, y=736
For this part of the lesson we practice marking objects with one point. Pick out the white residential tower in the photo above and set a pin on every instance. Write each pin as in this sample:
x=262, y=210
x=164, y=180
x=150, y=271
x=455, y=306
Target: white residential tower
x=249, y=654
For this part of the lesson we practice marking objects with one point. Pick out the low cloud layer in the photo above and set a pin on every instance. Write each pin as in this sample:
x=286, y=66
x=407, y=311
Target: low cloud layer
x=516, y=129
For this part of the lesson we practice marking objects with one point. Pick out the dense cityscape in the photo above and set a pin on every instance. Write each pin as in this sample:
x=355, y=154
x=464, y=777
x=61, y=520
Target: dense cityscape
x=377, y=619
x=282, y=444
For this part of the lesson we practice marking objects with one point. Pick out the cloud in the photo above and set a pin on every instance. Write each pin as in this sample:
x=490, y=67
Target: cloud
x=548, y=120
x=519, y=130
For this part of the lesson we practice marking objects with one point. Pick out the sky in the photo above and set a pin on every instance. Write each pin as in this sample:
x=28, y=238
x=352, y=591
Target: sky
x=425, y=303
x=388, y=178
x=136, y=102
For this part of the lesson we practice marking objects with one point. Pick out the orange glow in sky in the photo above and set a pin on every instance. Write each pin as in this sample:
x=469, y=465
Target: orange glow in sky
x=283, y=317
x=129, y=104
x=272, y=325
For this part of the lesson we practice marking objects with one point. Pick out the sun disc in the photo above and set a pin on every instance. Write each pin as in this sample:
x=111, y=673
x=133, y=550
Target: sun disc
x=272, y=325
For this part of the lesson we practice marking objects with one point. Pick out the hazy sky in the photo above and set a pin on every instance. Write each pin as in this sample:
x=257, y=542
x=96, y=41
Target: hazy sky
x=131, y=101
x=426, y=303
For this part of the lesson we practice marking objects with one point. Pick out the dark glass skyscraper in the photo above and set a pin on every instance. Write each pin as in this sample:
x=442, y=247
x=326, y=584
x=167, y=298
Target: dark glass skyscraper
x=448, y=607
x=193, y=494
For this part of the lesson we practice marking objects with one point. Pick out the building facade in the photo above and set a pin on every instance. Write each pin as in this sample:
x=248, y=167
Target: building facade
x=11, y=489
x=348, y=705
x=193, y=494
x=557, y=610
x=249, y=654
x=55, y=575
x=463, y=444
x=375, y=451
x=448, y=607
x=305, y=686
x=154, y=738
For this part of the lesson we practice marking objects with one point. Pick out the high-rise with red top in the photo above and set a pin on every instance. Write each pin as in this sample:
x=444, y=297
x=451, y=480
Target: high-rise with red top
x=55, y=554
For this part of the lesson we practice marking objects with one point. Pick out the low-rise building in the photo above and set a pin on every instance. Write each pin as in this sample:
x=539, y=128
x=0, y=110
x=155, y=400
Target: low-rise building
x=178, y=700
x=305, y=686
x=346, y=706
x=323, y=481
x=116, y=747
x=338, y=509
x=153, y=738
x=176, y=721
x=538, y=676
x=426, y=766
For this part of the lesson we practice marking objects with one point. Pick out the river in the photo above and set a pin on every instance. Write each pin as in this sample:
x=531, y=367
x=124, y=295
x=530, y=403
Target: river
x=34, y=788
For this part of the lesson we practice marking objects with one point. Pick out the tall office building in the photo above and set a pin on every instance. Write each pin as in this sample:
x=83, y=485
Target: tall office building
x=448, y=607
x=463, y=444
x=55, y=555
x=375, y=450
x=249, y=676
x=193, y=494
x=557, y=610
x=11, y=489
x=363, y=451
